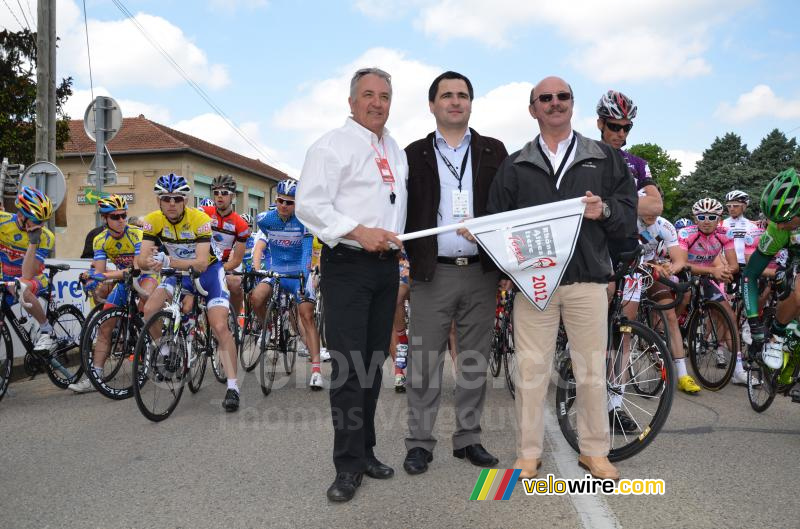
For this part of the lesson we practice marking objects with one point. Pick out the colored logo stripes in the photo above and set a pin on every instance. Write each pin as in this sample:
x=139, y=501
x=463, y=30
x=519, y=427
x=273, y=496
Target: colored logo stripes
x=495, y=484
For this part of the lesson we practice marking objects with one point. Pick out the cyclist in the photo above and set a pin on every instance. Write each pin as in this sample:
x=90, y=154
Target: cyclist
x=399, y=329
x=780, y=203
x=230, y=233
x=24, y=245
x=712, y=256
x=185, y=233
x=290, y=245
x=119, y=243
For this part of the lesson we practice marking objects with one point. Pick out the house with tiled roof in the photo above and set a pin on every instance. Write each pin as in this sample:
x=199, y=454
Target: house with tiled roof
x=142, y=151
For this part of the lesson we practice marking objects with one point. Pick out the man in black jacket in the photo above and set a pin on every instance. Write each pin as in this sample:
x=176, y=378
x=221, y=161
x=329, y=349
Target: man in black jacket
x=560, y=164
x=450, y=173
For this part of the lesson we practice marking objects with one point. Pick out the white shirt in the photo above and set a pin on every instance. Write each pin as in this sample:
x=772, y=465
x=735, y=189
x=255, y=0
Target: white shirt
x=341, y=186
x=451, y=244
x=557, y=157
x=744, y=232
x=657, y=238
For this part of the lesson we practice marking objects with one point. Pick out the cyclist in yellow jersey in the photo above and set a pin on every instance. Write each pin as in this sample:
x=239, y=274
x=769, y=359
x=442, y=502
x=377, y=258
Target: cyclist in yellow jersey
x=119, y=243
x=24, y=245
x=186, y=236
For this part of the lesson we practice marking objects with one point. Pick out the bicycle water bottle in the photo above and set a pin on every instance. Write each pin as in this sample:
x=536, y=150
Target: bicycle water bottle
x=402, y=350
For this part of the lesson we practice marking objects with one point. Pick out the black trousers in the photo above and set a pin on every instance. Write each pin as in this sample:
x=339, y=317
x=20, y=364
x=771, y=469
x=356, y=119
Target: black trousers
x=359, y=290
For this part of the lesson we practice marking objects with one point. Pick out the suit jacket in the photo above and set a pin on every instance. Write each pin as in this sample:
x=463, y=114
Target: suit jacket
x=424, y=193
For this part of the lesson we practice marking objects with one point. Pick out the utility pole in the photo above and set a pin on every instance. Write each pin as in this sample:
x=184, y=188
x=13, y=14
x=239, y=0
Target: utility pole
x=46, y=81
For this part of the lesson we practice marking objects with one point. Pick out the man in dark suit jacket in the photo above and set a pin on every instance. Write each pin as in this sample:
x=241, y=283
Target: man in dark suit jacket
x=450, y=173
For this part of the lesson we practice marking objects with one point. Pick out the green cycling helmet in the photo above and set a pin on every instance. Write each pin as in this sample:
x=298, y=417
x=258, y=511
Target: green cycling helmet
x=780, y=200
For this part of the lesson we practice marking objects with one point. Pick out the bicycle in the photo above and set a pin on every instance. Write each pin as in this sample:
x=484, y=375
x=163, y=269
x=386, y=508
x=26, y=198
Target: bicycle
x=636, y=358
x=502, y=351
x=279, y=330
x=116, y=381
x=177, y=356
x=62, y=363
x=249, y=351
x=764, y=383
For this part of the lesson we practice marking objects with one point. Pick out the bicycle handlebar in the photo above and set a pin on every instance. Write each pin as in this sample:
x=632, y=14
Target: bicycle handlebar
x=166, y=272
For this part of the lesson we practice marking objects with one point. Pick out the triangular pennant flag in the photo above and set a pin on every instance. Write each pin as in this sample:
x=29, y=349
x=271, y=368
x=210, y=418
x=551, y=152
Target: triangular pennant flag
x=532, y=245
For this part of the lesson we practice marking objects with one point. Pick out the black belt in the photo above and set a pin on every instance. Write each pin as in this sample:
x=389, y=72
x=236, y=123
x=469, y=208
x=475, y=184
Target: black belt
x=458, y=261
x=384, y=255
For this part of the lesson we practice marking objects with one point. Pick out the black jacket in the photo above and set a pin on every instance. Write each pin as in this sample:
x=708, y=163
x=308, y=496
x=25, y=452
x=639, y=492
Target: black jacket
x=524, y=180
x=424, y=193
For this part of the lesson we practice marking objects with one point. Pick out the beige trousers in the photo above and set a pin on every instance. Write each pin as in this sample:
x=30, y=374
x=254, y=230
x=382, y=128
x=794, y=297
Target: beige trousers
x=584, y=309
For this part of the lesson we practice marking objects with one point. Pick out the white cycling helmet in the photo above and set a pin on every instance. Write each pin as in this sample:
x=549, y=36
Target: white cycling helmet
x=707, y=205
x=738, y=196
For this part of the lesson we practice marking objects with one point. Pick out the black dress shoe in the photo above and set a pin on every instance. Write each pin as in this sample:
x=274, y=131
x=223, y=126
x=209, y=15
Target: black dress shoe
x=417, y=460
x=477, y=455
x=344, y=486
x=621, y=422
x=377, y=470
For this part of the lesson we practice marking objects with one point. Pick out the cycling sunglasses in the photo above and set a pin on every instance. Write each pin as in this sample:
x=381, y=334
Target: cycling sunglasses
x=284, y=201
x=222, y=192
x=117, y=216
x=546, y=98
x=616, y=127
x=173, y=199
x=703, y=217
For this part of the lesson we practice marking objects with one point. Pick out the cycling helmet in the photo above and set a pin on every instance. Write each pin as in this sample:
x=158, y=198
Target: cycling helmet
x=246, y=218
x=738, y=196
x=205, y=202
x=287, y=187
x=224, y=181
x=34, y=204
x=615, y=105
x=171, y=184
x=111, y=203
x=780, y=200
x=707, y=205
x=683, y=223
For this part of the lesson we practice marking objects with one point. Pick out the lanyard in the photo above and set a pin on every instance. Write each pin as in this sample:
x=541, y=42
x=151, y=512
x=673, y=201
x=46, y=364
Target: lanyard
x=385, y=171
x=557, y=174
x=449, y=165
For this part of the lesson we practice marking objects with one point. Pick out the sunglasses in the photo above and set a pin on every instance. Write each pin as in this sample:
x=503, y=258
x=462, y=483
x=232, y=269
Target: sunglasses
x=616, y=127
x=284, y=201
x=172, y=199
x=222, y=192
x=546, y=98
x=117, y=216
x=734, y=204
x=712, y=218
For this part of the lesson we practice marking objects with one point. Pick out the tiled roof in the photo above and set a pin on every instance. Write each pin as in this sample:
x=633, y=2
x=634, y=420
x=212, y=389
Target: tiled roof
x=139, y=135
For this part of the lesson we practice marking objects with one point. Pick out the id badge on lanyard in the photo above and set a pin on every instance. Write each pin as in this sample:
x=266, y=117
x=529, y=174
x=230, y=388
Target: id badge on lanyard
x=385, y=171
x=460, y=204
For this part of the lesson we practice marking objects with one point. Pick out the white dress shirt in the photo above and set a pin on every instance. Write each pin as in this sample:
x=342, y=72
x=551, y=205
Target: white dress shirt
x=341, y=186
x=451, y=244
x=557, y=157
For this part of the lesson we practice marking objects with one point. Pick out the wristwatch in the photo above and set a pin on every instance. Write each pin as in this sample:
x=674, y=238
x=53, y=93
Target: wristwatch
x=606, y=211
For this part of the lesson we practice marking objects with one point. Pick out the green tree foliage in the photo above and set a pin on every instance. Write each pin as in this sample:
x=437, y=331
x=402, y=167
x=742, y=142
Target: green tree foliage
x=18, y=98
x=665, y=170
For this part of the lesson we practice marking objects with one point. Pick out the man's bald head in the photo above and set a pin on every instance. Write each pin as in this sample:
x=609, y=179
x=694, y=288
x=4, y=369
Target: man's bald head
x=549, y=85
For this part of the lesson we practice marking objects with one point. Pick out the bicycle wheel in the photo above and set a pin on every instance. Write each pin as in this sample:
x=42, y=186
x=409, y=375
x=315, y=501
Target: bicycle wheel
x=649, y=412
x=509, y=358
x=198, y=358
x=289, y=339
x=213, y=350
x=116, y=381
x=160, y=377
x=761, y=395
x=319, y=319
x=496, y=354
x=64, y=365
x=233, y=325
x=6, y=360
x=97, y=308
x=269, y=351
x=249, y=350
x=708, y=330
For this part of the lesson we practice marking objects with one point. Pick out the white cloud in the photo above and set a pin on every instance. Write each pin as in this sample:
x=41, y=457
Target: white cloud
x=688, y=159
x=212, y=128
x=80, y=99
x=631, y=40
x=760, y=102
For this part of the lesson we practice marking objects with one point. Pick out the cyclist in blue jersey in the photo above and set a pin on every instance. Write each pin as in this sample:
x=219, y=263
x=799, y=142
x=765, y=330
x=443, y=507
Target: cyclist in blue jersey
x=290, y=245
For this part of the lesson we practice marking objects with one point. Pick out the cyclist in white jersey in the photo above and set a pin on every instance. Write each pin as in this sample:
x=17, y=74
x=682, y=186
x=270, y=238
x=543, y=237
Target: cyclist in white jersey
x=743, y=231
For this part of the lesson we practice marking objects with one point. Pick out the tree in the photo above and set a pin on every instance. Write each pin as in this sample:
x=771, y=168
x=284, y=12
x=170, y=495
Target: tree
x=775, y=153
x=665, y=171
x=18, y=98
x=724, y=167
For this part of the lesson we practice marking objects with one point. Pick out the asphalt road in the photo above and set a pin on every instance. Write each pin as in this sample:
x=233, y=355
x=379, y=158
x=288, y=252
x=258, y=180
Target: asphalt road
x=87, y=462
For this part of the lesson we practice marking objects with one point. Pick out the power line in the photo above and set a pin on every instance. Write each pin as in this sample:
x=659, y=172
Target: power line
x=14, y=15
x=196, y=87
x=88, y=53
x=28, y=5
x=24, y=16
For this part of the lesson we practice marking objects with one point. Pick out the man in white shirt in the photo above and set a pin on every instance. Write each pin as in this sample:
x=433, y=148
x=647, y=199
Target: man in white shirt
x=352, y=196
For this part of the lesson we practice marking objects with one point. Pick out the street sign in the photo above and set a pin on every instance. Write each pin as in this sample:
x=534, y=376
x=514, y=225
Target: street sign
x=47, y=178
x=90, y=196
x=113, y=113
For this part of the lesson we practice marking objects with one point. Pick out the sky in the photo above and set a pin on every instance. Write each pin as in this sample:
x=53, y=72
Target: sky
x=280, y=70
